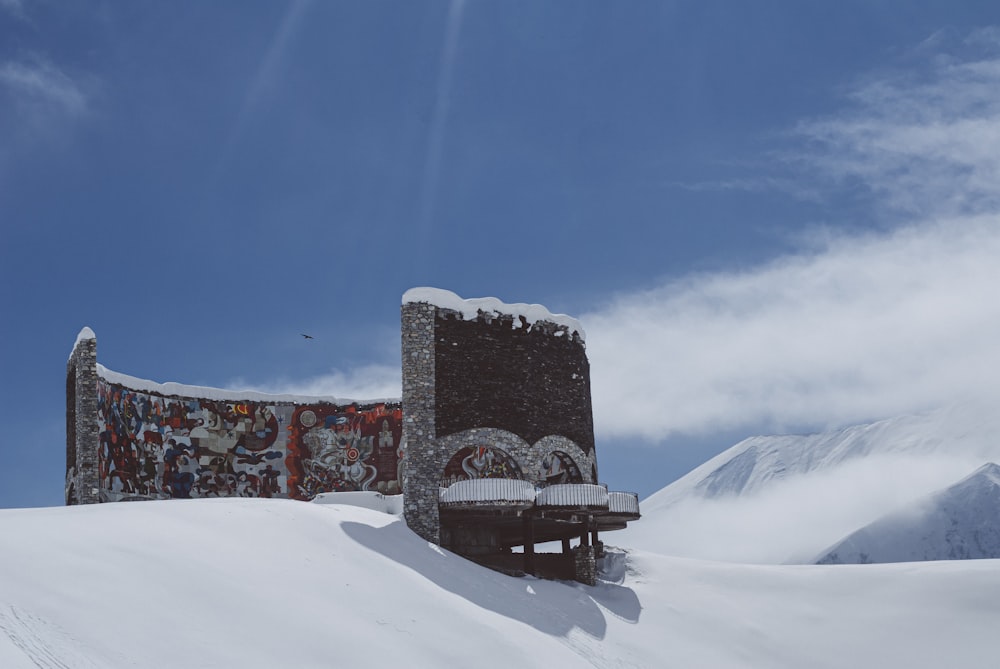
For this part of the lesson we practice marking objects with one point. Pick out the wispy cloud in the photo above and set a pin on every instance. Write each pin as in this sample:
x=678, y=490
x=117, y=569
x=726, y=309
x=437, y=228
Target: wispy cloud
x=13, y=7
x=926, y=140
x=759, y=184
x=436, y=137
x=366, y=382
x=37, y=84
x=852, y=327
x=795, y=520
x=265, y=77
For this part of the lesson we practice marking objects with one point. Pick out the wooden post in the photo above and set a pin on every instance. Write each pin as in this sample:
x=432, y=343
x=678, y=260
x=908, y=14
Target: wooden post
x=529, y=544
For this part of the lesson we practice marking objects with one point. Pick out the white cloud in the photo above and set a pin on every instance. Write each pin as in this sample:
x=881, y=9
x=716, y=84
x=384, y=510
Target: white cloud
x=367, y=382
x=797, y=519
x=927, y=140
x=853, y=327
x=38, y=83
x=863, y=328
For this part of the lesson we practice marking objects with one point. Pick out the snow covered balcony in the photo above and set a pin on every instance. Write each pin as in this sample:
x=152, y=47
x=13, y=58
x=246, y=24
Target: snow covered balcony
x=507, y=493
x=587, y=496
x=624, y=503
x=517, y=494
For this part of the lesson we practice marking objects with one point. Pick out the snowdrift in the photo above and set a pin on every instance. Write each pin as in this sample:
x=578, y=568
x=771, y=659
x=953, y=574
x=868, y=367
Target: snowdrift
x=278, y=583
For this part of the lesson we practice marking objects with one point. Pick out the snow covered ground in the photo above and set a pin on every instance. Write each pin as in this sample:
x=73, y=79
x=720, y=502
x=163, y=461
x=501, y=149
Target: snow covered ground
x=276, y=583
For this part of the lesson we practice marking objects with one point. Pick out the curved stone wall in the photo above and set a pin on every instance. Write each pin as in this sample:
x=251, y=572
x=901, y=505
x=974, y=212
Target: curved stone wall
x=480, y=374
x=129, y=439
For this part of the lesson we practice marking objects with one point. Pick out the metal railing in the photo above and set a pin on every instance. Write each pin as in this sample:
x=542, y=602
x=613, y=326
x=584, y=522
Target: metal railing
x=489, y=491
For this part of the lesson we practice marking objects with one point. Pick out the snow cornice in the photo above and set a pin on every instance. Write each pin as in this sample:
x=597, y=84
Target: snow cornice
x=471, y=308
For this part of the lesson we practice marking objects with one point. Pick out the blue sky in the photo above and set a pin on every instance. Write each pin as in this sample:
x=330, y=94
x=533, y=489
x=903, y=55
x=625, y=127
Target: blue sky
x=771, y=216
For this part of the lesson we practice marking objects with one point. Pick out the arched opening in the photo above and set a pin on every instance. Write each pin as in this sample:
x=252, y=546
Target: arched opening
x=480, y=462
x=559, y=467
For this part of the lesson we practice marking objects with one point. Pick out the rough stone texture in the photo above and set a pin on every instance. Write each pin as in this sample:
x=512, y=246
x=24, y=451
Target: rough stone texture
x=532, y=381
x=528, y=456
x=424, y=460
x=82, y=430
x=488, y=382
x=585, y=565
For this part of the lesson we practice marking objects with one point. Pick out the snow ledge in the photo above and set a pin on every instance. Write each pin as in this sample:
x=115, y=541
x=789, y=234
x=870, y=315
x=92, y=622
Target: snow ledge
x=470, y=308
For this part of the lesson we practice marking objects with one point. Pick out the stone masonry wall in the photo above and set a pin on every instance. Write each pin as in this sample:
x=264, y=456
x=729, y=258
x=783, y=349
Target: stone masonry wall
x=424, y=459
x=489, y=381
x=496, y=372
x=528, y=456
x=81, y=424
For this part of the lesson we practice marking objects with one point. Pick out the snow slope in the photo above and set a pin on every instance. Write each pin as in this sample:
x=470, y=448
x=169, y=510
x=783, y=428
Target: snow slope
x=777, y=499
x=959, y=523
x=279, y=583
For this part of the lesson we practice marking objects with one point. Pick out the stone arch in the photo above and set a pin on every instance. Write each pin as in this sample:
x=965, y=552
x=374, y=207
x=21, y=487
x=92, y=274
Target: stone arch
x=507, y=442
x=585, y=462
x=479, y=462
x=559, y=467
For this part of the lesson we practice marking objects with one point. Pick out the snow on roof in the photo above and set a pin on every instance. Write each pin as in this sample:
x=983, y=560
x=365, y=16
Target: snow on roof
x=489, y=490
x=85, y=333
x=573, y=494
x=224, y=394
x=470, y=308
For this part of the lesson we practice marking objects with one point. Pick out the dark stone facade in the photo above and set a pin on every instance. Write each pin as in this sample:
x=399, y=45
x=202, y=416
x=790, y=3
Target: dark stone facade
x=492, y=381
x=532, y=381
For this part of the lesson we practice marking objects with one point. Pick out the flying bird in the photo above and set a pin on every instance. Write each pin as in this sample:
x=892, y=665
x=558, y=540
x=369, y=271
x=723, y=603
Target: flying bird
x=307, y=336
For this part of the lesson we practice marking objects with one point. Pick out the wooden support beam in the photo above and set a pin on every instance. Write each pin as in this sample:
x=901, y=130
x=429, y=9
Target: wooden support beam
x=529, y=544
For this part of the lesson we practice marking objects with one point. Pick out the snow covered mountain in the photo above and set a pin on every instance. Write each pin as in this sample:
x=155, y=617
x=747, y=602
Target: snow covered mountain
x=778, y=499
x=959, y=523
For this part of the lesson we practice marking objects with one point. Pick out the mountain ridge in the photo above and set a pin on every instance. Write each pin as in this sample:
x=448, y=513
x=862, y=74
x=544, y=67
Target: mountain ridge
x=960, y=522
x=784, y=498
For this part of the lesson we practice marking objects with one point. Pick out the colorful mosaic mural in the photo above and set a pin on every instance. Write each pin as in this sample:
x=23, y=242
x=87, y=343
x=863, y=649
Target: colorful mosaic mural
x=156, y=447
x=335, y=449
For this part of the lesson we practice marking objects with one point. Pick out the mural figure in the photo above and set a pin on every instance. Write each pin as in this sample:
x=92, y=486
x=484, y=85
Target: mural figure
x=558, y=467
x=156, y=447
x=337, y=454
x=334, y=449
x=480, y=462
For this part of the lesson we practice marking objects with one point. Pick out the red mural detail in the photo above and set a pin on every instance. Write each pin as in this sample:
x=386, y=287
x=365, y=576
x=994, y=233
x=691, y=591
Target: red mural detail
x=341, y=448
x=161, y=447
